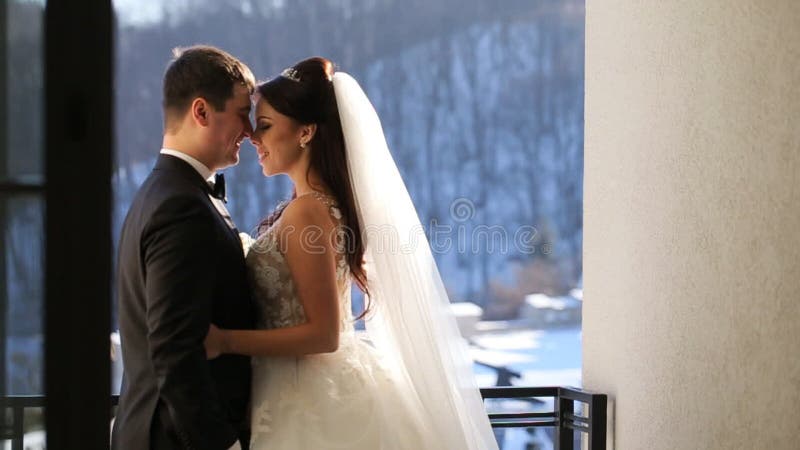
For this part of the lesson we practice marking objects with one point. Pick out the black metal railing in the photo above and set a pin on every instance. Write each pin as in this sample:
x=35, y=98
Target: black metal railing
x=563, y=418
x=13, y=427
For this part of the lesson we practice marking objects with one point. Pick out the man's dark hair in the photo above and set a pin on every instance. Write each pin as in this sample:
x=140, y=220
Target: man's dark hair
x=202, y=71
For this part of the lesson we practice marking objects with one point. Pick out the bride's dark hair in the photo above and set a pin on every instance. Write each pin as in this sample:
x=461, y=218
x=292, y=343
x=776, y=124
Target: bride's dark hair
x=305, y=93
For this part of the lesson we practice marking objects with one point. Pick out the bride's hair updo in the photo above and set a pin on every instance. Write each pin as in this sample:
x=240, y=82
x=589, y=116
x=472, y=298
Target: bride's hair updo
x=304, y=93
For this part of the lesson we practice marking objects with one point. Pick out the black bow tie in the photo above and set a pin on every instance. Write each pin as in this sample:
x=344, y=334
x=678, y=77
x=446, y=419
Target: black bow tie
x=218, y=190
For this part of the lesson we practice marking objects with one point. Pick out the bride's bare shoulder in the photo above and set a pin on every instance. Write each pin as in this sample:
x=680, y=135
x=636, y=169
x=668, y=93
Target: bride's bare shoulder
x=306, y=211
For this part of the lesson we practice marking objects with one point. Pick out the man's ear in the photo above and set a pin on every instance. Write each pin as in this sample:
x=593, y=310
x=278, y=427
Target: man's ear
x=200, y=110
x=307, y=133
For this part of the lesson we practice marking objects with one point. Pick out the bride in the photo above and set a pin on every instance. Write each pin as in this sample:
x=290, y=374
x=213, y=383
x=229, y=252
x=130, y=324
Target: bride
x=316, y=384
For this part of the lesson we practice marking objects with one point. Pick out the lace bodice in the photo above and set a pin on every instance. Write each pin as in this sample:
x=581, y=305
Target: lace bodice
x=271, y=283
x=352, y=398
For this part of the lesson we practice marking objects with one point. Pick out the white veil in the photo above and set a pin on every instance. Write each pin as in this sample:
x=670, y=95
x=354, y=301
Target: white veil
x=411, y=322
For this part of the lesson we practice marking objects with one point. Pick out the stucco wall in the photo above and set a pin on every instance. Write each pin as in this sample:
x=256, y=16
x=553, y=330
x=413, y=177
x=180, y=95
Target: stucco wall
x=692, y=221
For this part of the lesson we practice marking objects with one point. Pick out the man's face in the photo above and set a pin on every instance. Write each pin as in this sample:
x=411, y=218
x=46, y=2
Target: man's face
x=229, y=127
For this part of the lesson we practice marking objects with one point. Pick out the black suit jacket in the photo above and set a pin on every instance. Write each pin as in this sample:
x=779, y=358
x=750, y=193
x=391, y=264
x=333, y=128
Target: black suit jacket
x=181, y=267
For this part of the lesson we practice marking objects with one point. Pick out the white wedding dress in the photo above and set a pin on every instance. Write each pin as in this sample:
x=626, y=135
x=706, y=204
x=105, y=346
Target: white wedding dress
x=411, y=386
x=348, y=399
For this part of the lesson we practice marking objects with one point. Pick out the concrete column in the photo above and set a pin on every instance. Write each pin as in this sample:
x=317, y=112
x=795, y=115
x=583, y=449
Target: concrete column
x=692, y=221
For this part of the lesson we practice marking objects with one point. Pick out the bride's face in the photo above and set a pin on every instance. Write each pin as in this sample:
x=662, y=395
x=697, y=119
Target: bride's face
x=277, y=140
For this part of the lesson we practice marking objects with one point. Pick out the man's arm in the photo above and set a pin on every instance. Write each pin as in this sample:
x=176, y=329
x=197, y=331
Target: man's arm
x=180, y=275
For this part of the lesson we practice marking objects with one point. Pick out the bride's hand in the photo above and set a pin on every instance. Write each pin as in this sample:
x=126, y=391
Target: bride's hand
x=214, y=342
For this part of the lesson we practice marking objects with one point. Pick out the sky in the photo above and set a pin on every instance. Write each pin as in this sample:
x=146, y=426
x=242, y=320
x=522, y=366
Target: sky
x=138, y=12
x=144, y=12
x=130, y=12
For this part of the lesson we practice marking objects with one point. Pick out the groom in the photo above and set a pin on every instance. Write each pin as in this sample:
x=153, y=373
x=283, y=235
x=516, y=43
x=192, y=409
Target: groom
x=181, y=268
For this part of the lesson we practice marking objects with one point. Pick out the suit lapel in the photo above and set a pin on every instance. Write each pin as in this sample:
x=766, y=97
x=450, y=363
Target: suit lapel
x=174, y=164
x=167, y=162
x=219, y=205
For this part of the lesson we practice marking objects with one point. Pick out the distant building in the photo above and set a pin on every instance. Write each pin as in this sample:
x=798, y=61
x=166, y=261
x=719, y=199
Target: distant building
x=543, y=311
x=467, y=316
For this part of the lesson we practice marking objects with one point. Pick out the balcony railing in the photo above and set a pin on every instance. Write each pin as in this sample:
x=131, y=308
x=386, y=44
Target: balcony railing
x=562, y=419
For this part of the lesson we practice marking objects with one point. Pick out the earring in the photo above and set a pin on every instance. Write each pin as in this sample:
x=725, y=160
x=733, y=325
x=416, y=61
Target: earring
x=303, y=145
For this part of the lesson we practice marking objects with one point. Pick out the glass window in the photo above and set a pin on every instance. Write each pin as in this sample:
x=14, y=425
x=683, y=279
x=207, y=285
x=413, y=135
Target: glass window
x=22, y=211
x=482, y=106
x=23, y=249
x=23, y=88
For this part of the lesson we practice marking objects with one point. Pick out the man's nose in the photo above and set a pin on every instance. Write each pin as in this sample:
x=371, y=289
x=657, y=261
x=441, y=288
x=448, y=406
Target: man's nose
x=248, y=128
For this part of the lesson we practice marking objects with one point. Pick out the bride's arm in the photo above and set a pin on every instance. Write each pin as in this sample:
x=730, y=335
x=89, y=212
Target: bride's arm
x=304, y=236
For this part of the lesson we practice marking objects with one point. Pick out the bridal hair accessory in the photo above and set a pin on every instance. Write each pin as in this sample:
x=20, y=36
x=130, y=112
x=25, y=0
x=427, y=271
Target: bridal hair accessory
x=291, y=74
